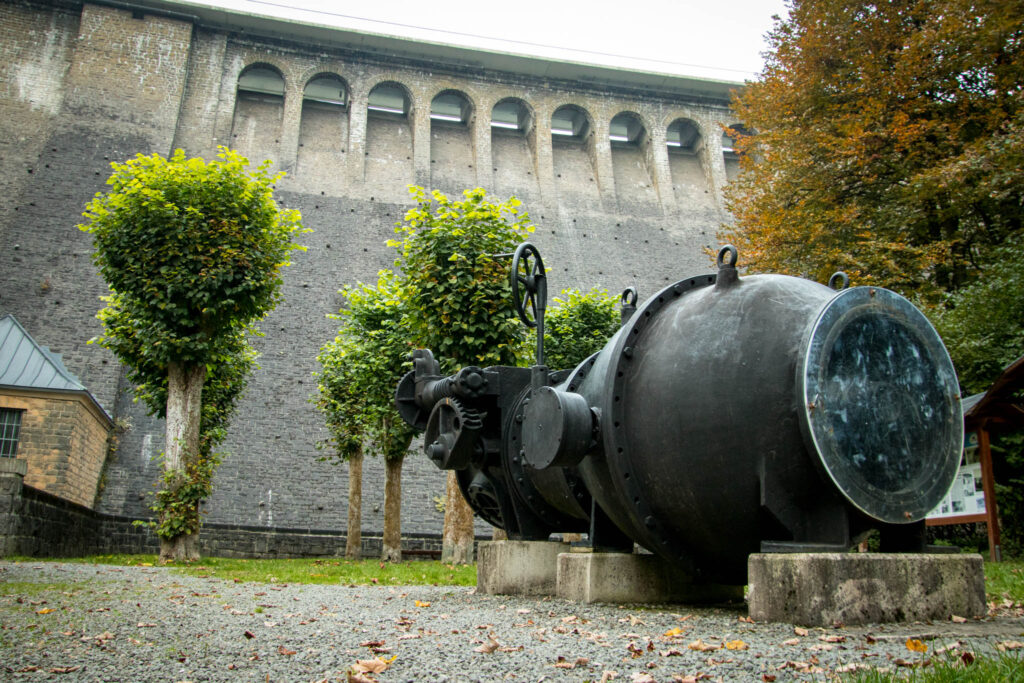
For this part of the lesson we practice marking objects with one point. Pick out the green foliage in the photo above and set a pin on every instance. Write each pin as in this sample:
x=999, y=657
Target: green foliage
x=459, y=292
x=362, y=366
x=983, y=323
x=577, y=325
x=888, y=142
x=192, y=252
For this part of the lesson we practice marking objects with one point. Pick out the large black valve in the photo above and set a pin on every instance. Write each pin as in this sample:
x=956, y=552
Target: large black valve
x=728, y=415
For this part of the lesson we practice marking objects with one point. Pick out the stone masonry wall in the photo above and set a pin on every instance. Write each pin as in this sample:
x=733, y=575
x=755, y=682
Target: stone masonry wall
x=112, y=84
x=63, y=443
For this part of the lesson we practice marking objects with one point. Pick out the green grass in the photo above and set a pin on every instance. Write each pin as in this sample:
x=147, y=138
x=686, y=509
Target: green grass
x=1005, y=580
x=1005, y=667
x=320, y=570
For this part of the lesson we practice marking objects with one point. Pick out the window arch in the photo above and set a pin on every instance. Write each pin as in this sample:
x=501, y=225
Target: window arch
x=569, y=122
x=261, y=81
x=451, y=106
x=512, y=114
x=626, y=129
x=326, y=89
x=683, y=136
x=388, y=99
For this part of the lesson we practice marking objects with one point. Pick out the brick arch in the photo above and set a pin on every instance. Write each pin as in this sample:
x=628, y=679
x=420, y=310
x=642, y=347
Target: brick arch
x=264, y=64
x=690, y=120
x=470, y=101
x=640, y=118
x=530, y=109
x=391, y=79
x=582, y=109
x=312, y=74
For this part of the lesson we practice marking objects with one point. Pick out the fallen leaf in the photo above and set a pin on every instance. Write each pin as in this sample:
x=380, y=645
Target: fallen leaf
x=64, y=669
x=249, y=635
x=736, y=645
x=967, y=658
x=422, y=603
x=370, y=666
x=282, y=650
x=799, y=630
x=142, y=625
x=490, y=646
x=641, y=677
x=700, y=646
x=1005, y=645
x=45, y=610
x=371, y=643
x=832, y=639
x=672, y=652
x=791, y=641
x=672, y=632
x=768, y=678
x=563, y=663
x=746, y=620
x=915, y=645
x=354, y=677
x=957, y=620
x=607, y=676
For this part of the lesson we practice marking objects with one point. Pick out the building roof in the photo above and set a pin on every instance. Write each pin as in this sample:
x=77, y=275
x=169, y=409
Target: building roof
x=1001, y=403
x=24, y=364
x=391, y=47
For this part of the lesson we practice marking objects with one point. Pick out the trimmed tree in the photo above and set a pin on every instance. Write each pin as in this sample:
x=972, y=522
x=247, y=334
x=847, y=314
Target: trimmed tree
x=361, y=368
x=343, y=405
x=193, y=253
x=460, y=302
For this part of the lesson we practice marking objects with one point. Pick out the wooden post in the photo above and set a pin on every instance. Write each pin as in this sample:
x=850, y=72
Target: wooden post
x=988, y=482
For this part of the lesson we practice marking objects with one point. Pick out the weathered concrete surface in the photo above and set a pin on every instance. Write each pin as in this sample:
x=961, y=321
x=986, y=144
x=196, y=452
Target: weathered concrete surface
x=517, y=567
x=628, y=578
x=822, y=589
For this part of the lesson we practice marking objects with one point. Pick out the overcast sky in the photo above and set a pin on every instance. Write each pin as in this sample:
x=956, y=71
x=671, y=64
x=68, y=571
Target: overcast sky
x=721, y=39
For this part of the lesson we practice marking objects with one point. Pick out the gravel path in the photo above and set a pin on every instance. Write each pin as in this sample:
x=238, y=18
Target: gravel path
x=62, y=621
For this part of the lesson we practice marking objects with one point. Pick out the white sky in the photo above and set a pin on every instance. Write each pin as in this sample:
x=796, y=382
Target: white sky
x=711, y=38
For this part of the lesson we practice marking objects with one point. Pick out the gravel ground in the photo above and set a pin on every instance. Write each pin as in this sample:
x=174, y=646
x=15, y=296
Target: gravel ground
x=63, y=621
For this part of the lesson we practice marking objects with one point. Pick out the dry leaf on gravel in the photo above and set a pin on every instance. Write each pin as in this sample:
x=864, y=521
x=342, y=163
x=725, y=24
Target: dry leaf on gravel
x=1005, y=645
x=736, y=645
x=490, y=646
x=370, y=666
x=282, y=650
x=563, y=663
x=700, y=646
x=957, y=620
x=915, y=645
x=800, y=631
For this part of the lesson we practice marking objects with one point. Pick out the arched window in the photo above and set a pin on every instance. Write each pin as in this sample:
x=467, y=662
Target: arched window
x=388, y=99
x=569, y=122
x=450, y=107
x=326, y=89
x=683, y=137
x=626, y=129
x=261, y=82
x=510, y=115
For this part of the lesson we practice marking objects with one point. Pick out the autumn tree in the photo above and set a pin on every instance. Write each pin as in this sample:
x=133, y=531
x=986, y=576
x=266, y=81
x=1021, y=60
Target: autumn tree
x=192, y=252
x=460, y=303
x=887, y=142
x=576, y=325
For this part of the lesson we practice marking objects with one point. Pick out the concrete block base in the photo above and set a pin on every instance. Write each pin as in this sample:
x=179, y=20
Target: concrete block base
x=517, y=567
x=821, y=589
x=626, y=578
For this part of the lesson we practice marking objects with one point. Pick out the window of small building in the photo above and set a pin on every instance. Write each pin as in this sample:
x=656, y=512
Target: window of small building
x=10, y=427
x=683, y=137
x=625, y=129
x=450, y=108
x=569, y=123
x=388, y=100
x=326, y=90
x=261, y=82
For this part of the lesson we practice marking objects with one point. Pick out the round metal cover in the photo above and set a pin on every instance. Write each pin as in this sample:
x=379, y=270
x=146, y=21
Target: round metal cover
x=881, y=404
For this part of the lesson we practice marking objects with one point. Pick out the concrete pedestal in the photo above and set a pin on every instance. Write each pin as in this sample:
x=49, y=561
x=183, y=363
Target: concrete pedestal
x=821, y=589
x=627, y=578
x=517, y=567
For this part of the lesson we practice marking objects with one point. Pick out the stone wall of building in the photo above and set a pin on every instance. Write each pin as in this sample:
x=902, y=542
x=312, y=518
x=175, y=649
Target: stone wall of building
x=85, y=84
x=63, y=441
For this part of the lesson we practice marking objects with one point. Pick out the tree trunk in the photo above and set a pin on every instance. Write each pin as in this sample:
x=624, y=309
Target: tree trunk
x=392, y=545
x=184, y=403
x=457, y=542
x=354, y=535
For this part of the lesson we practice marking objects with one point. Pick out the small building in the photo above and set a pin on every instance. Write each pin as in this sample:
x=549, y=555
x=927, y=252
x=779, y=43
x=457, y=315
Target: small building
x=49, y=420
